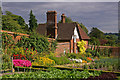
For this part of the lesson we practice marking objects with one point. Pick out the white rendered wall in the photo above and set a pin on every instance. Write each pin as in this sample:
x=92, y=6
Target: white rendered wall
x=76, y=33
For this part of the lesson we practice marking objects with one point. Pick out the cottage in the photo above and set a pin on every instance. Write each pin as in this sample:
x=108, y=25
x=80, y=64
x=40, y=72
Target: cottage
x=67, y=34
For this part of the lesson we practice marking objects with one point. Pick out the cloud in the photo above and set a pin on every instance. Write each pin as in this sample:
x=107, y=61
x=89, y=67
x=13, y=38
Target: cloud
x=61, y=1
x=102, y=15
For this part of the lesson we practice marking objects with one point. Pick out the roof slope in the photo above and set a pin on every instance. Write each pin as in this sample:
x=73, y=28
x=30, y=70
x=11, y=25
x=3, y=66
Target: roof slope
x=41, y=29
x=82, y=33
x=65, y=31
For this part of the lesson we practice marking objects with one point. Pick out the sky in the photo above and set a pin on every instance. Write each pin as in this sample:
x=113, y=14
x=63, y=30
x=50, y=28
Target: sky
x=103, y=15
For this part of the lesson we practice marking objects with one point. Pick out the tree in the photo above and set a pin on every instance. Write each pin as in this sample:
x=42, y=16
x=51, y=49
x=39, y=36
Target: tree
x=96, y=33
x=67, y=20
x=12, y=22
x=21, y=21
x=32, y=22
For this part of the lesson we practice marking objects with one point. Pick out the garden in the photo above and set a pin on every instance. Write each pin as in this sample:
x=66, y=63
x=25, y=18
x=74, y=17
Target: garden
x=34, y=57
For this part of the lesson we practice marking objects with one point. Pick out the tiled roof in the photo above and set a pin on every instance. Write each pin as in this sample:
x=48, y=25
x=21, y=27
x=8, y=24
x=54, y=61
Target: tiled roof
x=82, y=33
x=65, y=31
x=42, y=29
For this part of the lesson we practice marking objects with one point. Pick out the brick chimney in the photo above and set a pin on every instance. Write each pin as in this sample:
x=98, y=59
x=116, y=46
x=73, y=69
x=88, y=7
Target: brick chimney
x=52, y=24
x=63, y=18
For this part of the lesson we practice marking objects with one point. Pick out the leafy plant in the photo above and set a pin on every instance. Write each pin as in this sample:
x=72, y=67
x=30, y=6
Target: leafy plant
x=55, y=73
x=35, y=42
x=81, y=45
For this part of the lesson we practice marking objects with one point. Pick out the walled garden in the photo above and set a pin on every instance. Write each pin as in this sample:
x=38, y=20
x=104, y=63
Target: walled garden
x=34, y=57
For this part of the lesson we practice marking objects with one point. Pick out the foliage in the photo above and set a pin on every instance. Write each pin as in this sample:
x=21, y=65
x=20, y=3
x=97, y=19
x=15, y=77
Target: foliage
x=81, y=45
x=32, y=22
x=24, y=54
x=17, y=56
x=60, y=60
x=43, y=61
x=12, y=22
x=7, y=41
x=94, y=52
x=34, y=42
x=53, y=45
x=95, y=32
x=6, y=61
x=109, y=63
x=94, y=41
x=112, y=40
x=56, y=73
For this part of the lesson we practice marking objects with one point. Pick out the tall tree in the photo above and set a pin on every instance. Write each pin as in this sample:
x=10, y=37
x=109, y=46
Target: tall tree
x=21, y=21
x=95, y=32
x=32, y=22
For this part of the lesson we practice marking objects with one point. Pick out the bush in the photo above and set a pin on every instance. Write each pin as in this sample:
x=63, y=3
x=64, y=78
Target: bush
x=60, y=60
x=34, y=42
x=72, y=55
x=24, y=54
x=7, y=62
x=43, y=61
x=85, y=66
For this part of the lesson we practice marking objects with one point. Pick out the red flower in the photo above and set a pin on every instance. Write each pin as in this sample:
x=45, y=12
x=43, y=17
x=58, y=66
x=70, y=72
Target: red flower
x=30, y=53
x=14, y=55
x=25, y=51
x=32, y=57
x=36, y=50
x=26, y=48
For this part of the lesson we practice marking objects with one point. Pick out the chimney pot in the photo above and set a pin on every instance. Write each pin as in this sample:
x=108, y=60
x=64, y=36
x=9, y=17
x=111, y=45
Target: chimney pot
x=63, y=18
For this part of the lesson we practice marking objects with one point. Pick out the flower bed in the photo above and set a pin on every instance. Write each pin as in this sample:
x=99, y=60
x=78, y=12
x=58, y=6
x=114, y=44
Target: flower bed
x=22, y=63
x=43, y=61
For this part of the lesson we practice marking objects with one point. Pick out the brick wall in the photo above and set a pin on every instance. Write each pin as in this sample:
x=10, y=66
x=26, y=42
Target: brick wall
x=63, y=46
x=17, y=37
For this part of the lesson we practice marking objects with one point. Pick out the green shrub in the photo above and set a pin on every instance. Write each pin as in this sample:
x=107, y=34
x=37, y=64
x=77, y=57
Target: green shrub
x=60, y=60
x=91, y=66
x=72, y=55
x=34, y=42
x=7, y=62
x=85, y=66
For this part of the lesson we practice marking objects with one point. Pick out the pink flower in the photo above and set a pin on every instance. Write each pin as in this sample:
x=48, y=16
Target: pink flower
x=18, y=62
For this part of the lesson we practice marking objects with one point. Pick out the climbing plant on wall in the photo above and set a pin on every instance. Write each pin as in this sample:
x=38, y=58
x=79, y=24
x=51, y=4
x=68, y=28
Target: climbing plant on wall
x=81, y=44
